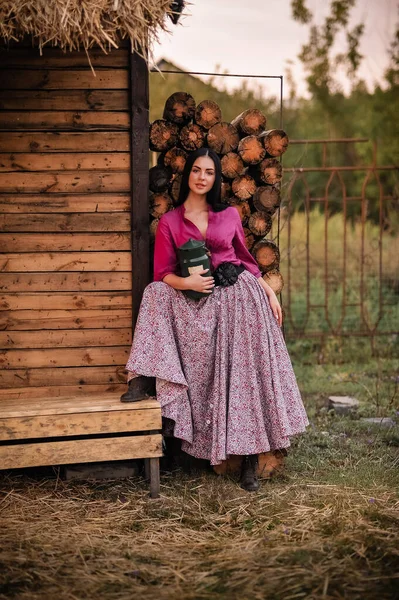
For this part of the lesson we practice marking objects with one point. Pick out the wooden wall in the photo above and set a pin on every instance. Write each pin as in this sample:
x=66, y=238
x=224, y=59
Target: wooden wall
x=65, y=202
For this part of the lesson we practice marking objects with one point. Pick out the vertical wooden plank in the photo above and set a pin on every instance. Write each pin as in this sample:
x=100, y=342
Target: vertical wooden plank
x=140, y=242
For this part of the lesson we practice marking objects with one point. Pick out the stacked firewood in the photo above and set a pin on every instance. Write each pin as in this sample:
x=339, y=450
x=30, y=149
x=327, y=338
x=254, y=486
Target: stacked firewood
x=250, y=168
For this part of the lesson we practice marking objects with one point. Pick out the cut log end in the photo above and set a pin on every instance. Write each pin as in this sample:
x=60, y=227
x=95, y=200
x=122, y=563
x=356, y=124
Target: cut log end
x=260, y=223
x=153, y=229
x=275, y=280
x=243, y=187
x=249, y=238
x=160, y=203
x=192, y=137
x=270, y=171
x=159, y=178
x=207, y=114
x=225, y=191
x=175, y=159
x=250, y=122
x=275, y=142
x=267, y=255
x=242, y=208
x=267, y=198
x=175, y=188
x=223, y=138
x=232, y=165
x=179, y=108
x=251, y=150
x=163, y=135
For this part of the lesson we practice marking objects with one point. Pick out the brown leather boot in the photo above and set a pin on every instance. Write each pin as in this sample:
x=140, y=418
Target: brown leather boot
x=139, y=388
x=249, y=478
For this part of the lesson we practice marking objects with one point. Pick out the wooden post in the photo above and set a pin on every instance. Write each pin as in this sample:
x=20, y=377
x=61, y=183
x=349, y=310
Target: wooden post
x=139, y=143
x=154, y=477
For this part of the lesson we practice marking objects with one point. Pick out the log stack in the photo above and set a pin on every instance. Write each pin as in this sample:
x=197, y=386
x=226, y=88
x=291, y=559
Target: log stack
x=251, y=168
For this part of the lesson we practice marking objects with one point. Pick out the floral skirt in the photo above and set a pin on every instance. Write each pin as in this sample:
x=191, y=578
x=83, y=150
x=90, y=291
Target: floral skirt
x=224, y=378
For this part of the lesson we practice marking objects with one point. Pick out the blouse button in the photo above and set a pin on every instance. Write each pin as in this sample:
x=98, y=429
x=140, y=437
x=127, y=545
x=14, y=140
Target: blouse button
x=208, y=422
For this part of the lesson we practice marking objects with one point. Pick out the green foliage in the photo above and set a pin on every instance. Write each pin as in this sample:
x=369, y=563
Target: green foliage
x=317, y=55
x=300, y=11
x=361, y=115
x=392, y=73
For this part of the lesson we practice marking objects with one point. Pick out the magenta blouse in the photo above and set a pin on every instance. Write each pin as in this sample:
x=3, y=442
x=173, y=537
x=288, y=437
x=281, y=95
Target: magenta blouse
x=225, y=240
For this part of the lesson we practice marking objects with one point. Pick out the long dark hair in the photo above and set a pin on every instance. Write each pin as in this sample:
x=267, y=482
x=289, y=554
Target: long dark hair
x=213, y=196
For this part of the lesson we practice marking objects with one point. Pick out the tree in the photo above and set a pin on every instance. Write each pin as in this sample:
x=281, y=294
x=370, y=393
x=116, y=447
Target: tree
x=318, y=56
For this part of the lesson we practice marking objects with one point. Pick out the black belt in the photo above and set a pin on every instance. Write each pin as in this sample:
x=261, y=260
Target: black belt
x=227, y=274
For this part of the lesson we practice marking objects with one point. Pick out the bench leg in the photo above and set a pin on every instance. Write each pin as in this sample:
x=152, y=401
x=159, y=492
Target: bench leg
x=151, y=466
x=147, y=471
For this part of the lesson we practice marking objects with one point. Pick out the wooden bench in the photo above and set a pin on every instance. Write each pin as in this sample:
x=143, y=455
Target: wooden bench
x=80, y=429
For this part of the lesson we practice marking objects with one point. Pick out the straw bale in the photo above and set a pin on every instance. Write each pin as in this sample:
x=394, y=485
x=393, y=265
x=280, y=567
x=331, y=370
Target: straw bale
x=82, y=24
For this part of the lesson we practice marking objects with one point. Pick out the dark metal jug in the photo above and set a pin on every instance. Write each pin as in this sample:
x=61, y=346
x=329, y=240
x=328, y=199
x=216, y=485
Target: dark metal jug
x=193, y=257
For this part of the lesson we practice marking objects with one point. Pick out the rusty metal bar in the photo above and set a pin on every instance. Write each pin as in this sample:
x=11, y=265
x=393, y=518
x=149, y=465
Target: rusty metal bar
x=324, y=334
x=298, y=259
x=331, y=141
x=351, y=198
x=329, y=169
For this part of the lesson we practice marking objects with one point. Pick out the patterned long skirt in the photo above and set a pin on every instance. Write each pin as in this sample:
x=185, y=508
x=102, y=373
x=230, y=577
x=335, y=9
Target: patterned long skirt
x=223, y=374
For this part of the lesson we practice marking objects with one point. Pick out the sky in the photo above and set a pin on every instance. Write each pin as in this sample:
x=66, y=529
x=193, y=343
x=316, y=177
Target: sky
x=259, y=37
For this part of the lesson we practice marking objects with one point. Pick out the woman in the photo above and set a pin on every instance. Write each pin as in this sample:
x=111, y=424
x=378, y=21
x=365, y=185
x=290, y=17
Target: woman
x=223, y=375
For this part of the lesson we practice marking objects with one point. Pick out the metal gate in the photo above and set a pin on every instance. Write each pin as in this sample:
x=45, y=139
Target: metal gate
x=339, y=248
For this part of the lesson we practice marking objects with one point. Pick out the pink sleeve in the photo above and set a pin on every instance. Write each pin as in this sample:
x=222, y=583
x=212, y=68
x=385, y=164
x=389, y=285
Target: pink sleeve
x=165, y=257
x=242, y=252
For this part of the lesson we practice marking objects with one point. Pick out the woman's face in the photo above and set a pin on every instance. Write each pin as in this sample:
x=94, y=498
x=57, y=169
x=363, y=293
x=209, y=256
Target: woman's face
x=202, y=175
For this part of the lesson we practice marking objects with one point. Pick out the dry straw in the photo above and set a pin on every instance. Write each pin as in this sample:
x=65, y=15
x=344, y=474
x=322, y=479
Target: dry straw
x=76, y=24
x=204, y=539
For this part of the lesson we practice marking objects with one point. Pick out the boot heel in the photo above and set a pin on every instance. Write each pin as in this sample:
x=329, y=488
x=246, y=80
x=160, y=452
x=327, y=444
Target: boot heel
x=249, y=479
x=139, y=388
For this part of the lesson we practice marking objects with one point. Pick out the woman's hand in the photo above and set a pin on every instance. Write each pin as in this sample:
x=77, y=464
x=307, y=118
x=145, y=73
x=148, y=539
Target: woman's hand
x=274, y=303
x=276, y=308
x=198, y=283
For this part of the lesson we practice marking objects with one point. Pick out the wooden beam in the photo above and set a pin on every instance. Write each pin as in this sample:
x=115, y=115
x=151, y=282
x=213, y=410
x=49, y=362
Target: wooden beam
x=56, y=141
x=19, y=57
x=64, y=357
x=65, y=301
x=19, y=395
x=64, y=120
x=66, y=79
x=47, y=100
x=66, y=282
x=76, y=222
x=65, y=161
x=110, y=422
x=66, y=203
x=85, y=182
x=22, y=379
x=139, y=97
x=73, y=405
x=27, y=320
x=18, y=456
x=64, y=261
